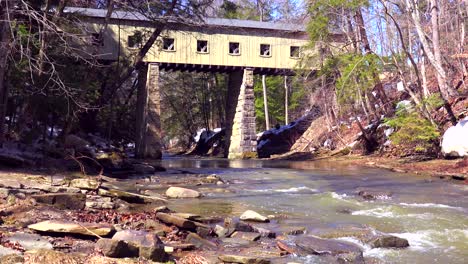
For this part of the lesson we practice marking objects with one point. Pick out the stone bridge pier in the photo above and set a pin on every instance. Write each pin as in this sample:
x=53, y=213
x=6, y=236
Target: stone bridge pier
x=240, y=127
x=148, y=112
x=240, y=115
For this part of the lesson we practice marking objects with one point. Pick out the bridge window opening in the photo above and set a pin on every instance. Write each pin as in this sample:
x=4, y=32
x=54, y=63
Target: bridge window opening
x=234, y=48
x=294, y=52
x=168, y=44
x=202, y=46
x=134, y=41
x=265, y=50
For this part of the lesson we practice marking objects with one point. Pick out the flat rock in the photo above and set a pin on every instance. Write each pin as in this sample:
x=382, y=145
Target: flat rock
x=200, y=242
x=319, y=246
x=53, y=257
x=86, y=184
x=388, y=241
x=187, y=216
x=138, y=238
x=65, y=227
x=73, y=201
x=130, y=197
x=243, y=259
x=250, y=215
x=177, y=221
x=116, y=248
x=30, y=241
x=234, y=242
x=179, y=192
x=246, y=235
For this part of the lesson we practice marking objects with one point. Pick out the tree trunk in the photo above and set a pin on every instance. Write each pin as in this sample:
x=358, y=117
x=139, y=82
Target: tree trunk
x=366, y=46
x=5, y=35
x=435, y=57
x=265, y=103
x=286, y=101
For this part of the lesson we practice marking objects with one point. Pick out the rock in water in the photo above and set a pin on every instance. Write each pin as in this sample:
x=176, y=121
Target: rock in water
x=179, y=192
x=65, y=227
x=250, y=215
x=246, y=235
x=318, y=246
x=143, y=168
x=455, y=140
x=389, y=241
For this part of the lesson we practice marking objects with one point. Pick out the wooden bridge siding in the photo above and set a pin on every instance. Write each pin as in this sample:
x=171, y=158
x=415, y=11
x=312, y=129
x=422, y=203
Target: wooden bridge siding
x=218, y=45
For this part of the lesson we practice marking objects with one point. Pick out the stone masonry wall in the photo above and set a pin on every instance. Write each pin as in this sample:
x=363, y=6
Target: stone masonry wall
x=243, y=137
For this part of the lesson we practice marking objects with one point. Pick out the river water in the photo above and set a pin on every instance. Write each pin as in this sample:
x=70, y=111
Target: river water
x=321, y=196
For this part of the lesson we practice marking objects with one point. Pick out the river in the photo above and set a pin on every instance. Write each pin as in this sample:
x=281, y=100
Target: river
x=431, y=214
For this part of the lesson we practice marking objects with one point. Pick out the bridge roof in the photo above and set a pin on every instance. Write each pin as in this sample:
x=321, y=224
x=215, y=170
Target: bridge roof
x=214, y=22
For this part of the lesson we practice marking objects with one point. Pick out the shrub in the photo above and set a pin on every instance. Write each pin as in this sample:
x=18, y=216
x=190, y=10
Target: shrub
x=413, y=132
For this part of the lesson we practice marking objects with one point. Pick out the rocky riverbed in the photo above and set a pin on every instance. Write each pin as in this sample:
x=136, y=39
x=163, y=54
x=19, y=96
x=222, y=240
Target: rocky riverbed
x=201, y=214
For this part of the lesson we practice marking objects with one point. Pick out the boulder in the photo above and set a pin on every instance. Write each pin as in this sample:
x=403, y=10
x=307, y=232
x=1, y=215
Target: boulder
x=86, y=184
x=116, y=248
x=143, y=168
x=138, y=238
x=243, y=259
x=65, y=227
x=235, y=225
x=388, y=241
x=455, y=140
x=250, y=215
x=156, y=253
x=177, y=221
x=73, y=201
x=179, y=192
